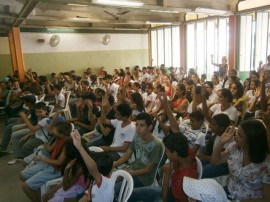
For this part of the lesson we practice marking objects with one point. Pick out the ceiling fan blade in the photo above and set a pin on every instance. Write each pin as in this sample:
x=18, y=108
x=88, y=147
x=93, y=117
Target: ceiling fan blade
x=109, y=13
x=124, y=12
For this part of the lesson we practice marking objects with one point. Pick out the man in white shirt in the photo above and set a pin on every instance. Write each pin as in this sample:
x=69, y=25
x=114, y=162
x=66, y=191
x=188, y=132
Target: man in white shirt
x=59, y=97
x=149, y=97
x=112, y=87
x=145, y=75
x=124, y=129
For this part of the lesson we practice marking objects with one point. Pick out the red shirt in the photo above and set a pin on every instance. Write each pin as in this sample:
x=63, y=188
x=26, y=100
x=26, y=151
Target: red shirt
x=57, y=151
x=177, y=181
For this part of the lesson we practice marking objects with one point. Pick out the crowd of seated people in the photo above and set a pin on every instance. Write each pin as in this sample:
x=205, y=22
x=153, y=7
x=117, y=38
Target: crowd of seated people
x=161, y=123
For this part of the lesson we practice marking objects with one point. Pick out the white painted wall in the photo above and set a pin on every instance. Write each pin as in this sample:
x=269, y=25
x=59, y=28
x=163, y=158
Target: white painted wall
x=70, y=42
x=4, y=45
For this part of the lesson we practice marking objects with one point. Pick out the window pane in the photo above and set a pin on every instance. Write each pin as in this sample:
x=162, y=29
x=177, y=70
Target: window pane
x=168, y=47
x=223, y=38
x=190, y=46
x=245, y=43
x=210, y=47
x=160, y=47
x=176, y=47
x=200, y=51
x=154, y=47
x=261, y=37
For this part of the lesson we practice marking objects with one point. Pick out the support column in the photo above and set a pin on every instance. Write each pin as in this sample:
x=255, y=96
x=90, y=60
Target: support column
x=182, y=45
x=232, y=41
x=16, y=52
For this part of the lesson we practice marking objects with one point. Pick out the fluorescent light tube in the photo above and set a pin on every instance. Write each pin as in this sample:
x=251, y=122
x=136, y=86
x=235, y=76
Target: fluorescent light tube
x=211, y=11
x=80, y=5
x=158, y=23
x=164, y=11
x=118, y=3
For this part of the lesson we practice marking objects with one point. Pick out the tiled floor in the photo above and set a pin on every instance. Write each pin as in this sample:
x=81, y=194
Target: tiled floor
x=10, y=190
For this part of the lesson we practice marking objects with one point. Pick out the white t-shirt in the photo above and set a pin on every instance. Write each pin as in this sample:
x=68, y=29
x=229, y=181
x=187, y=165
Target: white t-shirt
x=122, y=134
x=213, y=97
x=104, y=191
x=145, y=77
x=60, y=97
x=265, y=66
x=231, y=112
x=114, y=88
x=151, y=97
x=199, y=106
x=42, y=133
x=250, y=96
x=217, y=87
x=194, y=137
x=160, y=134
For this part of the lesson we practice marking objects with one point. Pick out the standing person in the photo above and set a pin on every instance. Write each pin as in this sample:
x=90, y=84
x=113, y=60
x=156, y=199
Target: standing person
x=248, y=160
x=222, y=68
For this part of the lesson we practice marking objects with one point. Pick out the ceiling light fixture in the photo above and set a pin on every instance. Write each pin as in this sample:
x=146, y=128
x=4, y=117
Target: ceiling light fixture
x=80, y=5
x=164, y=11
x=158, y=23
x=123, y=3
x=212, y=11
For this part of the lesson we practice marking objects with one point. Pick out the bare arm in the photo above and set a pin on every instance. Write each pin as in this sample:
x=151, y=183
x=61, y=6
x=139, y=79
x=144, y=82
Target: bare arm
x=124, y=158
x=122, y=148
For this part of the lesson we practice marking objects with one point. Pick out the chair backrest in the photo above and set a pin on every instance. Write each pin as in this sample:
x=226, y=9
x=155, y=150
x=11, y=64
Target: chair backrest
x=51, y=108
x=42, y=98
x=199, y=167
x=258, y=114
x=155, y=182
x=67, y=95
x=95, y=149
x=127, y=184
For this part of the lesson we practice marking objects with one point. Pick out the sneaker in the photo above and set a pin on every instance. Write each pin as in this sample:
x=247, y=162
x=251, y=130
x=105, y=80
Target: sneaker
x=14, y=161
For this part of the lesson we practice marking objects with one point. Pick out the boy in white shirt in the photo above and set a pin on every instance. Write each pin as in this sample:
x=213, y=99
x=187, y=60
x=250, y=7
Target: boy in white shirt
x=112, y=87
x=149, y=97
x=60, y=99
x=124, y=129
x=39, y=134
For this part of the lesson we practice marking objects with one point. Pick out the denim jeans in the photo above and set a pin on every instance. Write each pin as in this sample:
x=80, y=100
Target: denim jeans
x=146, y=194
x=16, y=144
x=8, y=131
x=211, y=171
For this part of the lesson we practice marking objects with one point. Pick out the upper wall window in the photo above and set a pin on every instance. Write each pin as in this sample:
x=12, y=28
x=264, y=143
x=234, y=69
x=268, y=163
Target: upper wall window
x=206, y=38
x=165, y=46
x=254, y=45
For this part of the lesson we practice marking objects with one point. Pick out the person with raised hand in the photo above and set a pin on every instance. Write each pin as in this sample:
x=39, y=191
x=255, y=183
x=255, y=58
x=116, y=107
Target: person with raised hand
x=102, y=188
x=248, y=161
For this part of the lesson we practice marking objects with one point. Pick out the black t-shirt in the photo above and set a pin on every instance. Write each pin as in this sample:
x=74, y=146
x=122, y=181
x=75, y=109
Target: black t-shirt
x=84, y=118
x=109, y=138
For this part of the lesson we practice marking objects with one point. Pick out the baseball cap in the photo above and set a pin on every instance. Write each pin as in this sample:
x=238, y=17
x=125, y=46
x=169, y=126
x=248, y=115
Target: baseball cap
x=205, y=190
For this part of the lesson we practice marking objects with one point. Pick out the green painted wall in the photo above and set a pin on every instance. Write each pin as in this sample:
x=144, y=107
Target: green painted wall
x=46, y=63
x=5, y=65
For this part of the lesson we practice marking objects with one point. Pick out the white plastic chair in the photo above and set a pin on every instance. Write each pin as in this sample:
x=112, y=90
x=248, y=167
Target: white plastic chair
x=47, y=186
x=67, y=109
x=51, y=108
x=258, y=114
x=155, y=182
x=95, y=149
x=42, y=98
x=199, y=168
x=127, y=184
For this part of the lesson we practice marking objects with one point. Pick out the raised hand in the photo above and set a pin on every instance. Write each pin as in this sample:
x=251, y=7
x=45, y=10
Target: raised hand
x=227, y=135
x=76, y=137
x=70, y=164
x=162, y=97
x=89, y=104
x=257, y=92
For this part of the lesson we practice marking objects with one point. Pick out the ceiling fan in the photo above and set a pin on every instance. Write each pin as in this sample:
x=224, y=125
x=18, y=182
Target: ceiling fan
x=118, y=14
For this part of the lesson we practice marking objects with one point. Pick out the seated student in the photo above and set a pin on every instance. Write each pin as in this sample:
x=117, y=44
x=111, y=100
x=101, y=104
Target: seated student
x=32, y=178
x=204, y=190
x=86, y=113
x=218, y=126
x=149, y=97
x=194, y=134
x=181, y=164
x=148, y=152
x=107, y=131
x=59, y=97
x=23, y=144
x=75, y=179
x=102, y=188
x=137, y=104
x=111, y=87
x=29, y=101
x=124, y=129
